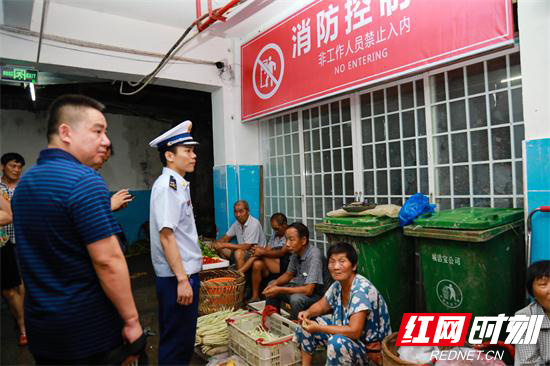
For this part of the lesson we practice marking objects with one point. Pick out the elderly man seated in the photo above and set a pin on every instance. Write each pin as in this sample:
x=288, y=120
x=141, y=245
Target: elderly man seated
x=248, y=231
x=302, y=283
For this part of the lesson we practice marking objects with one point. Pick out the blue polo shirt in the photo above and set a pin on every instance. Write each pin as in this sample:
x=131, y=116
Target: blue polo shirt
x=59, y=207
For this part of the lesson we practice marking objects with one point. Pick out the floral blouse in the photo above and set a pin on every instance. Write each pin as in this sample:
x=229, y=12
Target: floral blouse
x=363, y=296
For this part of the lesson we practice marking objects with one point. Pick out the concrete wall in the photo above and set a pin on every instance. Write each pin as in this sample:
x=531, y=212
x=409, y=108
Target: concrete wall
x=534, y=32
x=134, y=166
x=236, y=143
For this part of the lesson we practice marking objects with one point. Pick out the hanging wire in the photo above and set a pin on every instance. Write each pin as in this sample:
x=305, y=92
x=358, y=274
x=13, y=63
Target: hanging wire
x=173, y=50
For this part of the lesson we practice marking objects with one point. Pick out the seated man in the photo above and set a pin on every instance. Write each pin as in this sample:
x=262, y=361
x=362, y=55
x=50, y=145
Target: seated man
x=538, y=286
x=270, y=260
x=302, y=283
x=248, y=231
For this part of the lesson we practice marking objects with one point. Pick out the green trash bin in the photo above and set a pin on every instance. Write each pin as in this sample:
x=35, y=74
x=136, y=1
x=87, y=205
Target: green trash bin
x=471, y=259
x=386, y=257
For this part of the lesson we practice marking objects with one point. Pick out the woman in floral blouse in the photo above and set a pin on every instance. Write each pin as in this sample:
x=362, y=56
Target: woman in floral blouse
x=538, y=286
x=359, y=321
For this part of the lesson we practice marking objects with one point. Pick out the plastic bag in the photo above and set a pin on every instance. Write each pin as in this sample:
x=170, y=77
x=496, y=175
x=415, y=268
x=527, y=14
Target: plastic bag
x=384, y=210
x=416, y=354
x=415, y=206
x=225, y=360
x=379, y=210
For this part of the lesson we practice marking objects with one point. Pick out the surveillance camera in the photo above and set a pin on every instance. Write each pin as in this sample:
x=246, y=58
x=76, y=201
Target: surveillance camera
x=220, y=65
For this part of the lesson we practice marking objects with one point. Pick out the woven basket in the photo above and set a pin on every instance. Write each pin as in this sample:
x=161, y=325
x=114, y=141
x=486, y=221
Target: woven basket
x=389, y=352
x=219, y=295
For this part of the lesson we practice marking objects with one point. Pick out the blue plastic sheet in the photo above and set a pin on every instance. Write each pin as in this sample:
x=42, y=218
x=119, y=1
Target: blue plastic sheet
x=415, y=206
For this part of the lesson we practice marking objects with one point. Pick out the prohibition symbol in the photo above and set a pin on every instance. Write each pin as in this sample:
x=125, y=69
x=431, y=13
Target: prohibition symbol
x=270, y=64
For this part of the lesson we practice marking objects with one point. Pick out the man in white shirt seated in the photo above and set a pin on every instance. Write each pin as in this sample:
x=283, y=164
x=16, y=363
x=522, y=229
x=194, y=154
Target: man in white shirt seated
x=248, y=231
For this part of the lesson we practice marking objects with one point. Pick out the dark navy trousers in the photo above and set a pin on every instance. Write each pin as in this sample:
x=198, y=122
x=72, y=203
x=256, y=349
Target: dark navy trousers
x=177, y=323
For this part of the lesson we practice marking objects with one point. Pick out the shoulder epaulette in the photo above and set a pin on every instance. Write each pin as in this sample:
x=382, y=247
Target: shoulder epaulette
x=173, y=184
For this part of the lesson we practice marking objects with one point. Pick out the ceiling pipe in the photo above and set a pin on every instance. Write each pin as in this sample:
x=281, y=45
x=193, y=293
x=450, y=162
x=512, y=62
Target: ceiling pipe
x=213, y=15
x=44, y=10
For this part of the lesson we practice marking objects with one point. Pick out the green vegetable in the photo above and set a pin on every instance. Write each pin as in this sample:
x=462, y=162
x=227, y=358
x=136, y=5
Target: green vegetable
x=206, y=250
x=261, y=332
x=212, y=329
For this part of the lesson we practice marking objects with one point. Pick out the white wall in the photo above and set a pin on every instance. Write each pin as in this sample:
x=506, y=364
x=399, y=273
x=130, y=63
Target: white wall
x=234, y=142
x=135, y=164
x=534, y=32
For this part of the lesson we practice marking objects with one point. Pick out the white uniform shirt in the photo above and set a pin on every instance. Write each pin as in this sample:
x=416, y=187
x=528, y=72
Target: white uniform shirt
x=249, y=233
x=171, y=208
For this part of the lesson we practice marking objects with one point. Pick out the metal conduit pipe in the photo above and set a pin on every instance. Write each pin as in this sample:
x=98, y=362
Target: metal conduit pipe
x=99, y=46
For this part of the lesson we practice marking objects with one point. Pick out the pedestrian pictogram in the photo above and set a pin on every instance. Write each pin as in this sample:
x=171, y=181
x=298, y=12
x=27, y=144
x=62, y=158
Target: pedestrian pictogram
x=268, y=71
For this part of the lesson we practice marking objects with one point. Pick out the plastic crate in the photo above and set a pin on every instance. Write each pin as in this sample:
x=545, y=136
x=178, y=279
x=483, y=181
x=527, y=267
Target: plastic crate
x=279, y=352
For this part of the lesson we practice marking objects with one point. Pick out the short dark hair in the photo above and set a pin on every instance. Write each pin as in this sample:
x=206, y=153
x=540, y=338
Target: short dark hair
x=7, y=157
x=242, y=202
x=346, y=248
x=302, y=230
x=279, y=217
x=162, y=157
x=55, y=111
x=539, y=269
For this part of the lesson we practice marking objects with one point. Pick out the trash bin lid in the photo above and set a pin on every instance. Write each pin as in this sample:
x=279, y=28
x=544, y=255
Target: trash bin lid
x=357, y=225
x=366, y=220
x=470, y=218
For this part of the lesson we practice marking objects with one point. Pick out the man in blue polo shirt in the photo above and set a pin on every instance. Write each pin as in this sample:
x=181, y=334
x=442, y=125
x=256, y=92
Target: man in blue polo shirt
x=78, y=304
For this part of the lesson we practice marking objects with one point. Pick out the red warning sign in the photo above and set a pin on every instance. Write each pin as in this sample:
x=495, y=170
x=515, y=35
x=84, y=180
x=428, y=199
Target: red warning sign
x=269, y=69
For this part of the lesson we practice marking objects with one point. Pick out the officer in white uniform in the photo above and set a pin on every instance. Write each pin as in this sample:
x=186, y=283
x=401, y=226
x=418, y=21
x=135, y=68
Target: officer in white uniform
x=175, y=249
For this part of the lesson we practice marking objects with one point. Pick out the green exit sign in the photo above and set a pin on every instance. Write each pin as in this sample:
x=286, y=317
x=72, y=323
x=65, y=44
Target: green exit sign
x=22, y=74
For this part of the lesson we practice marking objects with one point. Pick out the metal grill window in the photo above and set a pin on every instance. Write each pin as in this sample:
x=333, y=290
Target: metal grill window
x=394, y=143
x=328, y=161
x=282, y=169
x=453, y=134
x=477, y=129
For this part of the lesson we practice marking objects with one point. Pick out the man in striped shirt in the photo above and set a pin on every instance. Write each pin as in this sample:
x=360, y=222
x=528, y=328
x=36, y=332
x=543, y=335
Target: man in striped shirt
x=78, y=304
x=12, y=287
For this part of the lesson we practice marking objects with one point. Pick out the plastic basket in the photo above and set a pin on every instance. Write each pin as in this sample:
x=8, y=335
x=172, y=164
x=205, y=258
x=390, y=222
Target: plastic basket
x=279, y=352
x=219, y=295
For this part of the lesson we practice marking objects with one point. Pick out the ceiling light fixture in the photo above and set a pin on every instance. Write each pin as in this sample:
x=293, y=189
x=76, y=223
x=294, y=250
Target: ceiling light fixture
x=31, y=88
